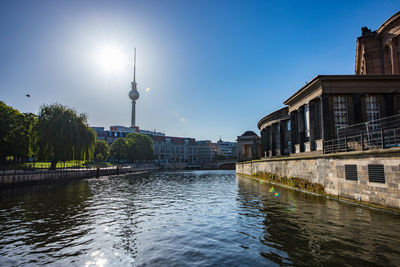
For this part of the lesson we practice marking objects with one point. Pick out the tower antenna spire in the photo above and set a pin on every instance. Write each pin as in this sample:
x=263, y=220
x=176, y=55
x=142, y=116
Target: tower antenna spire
x=134, y=66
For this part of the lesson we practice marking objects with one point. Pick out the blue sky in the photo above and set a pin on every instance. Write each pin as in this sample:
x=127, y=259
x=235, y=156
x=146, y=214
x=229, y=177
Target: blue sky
x=214, y=68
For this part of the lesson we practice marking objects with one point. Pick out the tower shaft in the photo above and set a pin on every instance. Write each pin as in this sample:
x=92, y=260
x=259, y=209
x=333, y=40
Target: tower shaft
x=133, y=115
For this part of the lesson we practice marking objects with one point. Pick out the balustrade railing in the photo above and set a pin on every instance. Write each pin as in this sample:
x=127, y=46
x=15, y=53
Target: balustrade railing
x=384, y=138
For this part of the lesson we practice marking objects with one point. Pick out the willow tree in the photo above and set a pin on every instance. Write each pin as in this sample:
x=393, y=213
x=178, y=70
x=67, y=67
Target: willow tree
x=60, y=134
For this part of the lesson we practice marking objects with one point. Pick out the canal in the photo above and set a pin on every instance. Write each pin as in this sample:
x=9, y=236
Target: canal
x=194, y=218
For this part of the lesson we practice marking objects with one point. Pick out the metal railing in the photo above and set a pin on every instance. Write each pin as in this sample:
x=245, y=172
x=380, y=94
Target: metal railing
x=369, y=126
x=383, y=138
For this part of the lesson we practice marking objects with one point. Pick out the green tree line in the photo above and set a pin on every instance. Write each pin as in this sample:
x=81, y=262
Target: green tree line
x=133, y=147
x=59, y=133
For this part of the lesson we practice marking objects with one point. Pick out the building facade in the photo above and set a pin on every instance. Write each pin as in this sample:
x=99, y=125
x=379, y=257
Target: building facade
x=205, y=152
x=226, y=150
x=378, y=52
x=334, y=107
x=169, y=149
x=249, y=146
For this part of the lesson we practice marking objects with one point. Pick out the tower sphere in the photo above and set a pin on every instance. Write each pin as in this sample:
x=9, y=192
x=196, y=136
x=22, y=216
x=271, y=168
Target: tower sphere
x=133, y=94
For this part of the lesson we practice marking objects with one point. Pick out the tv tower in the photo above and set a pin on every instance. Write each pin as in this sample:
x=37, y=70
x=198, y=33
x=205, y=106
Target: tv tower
x=134, y=94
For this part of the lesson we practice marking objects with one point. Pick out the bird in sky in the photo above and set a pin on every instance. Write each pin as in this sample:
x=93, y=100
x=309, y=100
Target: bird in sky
x=28, y=95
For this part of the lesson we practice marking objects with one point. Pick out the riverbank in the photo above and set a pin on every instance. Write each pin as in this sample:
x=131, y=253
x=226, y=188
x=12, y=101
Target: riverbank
x=370, y=179
x=15, y=178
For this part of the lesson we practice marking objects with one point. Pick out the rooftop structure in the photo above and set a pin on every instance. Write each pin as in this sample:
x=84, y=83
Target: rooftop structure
x=378, y=52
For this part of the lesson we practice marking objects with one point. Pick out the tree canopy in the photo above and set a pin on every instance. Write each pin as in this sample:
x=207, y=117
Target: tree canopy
x=102, y=150
x=60, y=134
x=119, y=149
x=133, y=147
x=14, y=132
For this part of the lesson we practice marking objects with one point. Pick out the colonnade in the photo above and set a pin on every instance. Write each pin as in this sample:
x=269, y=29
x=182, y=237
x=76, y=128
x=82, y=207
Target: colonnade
x=391, y=57
x=302, y=130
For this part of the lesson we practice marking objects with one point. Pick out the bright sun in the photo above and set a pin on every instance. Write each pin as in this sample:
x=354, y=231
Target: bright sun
x=110, y=59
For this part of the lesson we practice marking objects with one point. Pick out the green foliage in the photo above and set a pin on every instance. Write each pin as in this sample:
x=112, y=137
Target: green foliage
x=14, y=132
x=133, y=147
x=102, y=150
x=60, y=134
x=140, y=147
x=119, y=149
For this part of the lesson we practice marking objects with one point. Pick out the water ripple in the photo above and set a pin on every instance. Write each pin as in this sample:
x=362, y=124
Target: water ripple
x=193, y=218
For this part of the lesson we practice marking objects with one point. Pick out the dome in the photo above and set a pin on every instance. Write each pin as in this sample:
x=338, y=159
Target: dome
x=249, y=133
x=134, y=94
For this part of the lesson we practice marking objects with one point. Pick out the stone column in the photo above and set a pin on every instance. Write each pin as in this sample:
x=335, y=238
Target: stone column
x=293, y=130
x=357, y=109
x=326, y=120
x=387, y=59
x=273, y=140
x=262, y=133
x=389, y=105
x=268, y=139
x=313, y=123
x=301, y=129
x=394, y=55
x=283, y=130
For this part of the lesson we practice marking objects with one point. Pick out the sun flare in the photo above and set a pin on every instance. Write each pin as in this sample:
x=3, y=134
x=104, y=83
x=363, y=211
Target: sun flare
x=110, y=59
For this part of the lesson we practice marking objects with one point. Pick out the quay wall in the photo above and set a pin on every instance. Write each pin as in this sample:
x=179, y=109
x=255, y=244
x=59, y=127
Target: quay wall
x=326, y=175
x=20, y=177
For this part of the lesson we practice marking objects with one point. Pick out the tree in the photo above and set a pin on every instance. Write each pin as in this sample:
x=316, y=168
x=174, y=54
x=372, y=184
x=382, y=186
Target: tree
x=102, y=150
x=119, y=149
x=14, y=132
x=140, y=146
x=147, y=147
x=132, y=143
x=60, y=134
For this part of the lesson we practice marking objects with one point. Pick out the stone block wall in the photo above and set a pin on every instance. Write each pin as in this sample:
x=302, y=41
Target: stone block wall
x=329, y=173
x=20, y=177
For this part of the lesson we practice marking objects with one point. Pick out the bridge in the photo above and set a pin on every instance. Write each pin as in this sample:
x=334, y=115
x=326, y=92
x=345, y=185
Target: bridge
x=228, y=164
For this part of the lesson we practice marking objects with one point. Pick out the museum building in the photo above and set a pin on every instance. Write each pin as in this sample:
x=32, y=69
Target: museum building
x=333, y=113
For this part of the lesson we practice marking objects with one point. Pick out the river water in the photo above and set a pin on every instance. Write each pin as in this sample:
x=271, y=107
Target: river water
x=196, y=218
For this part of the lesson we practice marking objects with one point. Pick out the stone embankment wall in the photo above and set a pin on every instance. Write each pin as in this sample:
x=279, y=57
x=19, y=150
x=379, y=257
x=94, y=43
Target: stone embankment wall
x=21, y=177
x=353, y=176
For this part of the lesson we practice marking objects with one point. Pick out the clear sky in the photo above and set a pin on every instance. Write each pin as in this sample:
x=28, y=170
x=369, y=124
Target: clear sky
x=213, y=68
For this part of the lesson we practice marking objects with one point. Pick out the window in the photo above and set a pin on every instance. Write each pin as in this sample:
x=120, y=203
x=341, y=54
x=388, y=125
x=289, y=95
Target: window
x=340, y=111
x=371, y=108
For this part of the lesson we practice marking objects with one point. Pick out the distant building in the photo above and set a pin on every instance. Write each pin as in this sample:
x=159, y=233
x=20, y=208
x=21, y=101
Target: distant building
x=205, y=151
x=151, y=133
x=124, y=129
x=170, y=149
x=249, y=146
x=226, y=149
